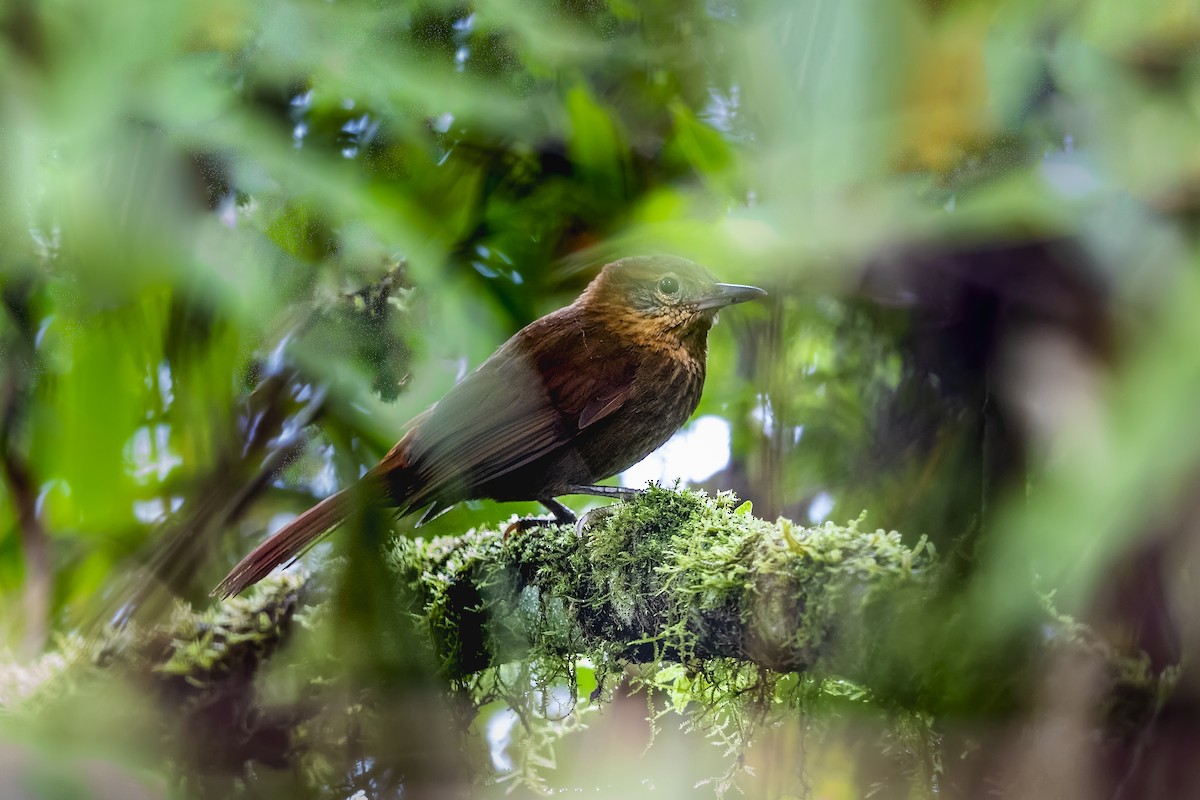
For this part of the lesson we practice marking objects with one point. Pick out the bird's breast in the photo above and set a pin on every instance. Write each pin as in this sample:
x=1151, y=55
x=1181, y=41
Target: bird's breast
x=665, y=392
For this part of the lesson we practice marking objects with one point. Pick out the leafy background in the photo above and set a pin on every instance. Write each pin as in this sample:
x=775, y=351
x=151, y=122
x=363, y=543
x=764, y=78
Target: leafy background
x=977, y=222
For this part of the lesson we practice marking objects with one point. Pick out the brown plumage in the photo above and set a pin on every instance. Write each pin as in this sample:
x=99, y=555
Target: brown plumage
x=571, y=399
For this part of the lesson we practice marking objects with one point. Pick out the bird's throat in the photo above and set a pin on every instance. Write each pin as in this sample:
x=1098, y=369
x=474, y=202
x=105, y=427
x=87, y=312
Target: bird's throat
x=684, y=338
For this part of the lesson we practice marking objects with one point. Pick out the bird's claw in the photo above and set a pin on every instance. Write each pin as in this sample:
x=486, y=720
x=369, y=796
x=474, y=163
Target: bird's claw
x=525, y=523
x=595, y=515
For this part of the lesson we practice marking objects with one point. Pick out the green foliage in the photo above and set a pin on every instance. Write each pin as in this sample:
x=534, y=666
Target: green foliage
x=225, y=221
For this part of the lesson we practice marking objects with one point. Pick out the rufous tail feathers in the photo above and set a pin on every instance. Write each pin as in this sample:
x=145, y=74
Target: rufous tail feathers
x=387, y=482
x=288, y=542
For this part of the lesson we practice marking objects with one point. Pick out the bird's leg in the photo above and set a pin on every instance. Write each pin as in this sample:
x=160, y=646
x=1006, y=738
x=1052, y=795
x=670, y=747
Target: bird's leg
x=562, y=516
x=619, y=492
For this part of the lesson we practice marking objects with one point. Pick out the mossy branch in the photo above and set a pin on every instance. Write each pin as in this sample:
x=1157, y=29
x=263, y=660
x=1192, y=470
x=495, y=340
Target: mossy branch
x=670, y=575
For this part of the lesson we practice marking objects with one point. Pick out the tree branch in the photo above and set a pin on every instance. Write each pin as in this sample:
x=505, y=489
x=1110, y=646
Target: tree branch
x=667, y=576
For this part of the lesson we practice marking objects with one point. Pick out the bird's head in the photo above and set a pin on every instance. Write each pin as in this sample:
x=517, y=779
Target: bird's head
x=662, y=298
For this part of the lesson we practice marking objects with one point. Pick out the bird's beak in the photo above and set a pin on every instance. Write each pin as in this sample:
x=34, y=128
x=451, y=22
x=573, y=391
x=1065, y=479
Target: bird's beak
x=726, y=294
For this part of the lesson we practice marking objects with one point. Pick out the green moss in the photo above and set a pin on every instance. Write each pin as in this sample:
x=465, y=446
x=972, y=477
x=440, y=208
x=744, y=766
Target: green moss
x=194, y=651
x=229, y=637
x=182, y=693
x=727, y=607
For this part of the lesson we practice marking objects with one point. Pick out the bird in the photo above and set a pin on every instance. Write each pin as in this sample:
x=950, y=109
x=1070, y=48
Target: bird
x=572, y=398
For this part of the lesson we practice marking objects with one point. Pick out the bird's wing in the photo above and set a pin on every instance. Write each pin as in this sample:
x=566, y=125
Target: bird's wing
x=531, y=397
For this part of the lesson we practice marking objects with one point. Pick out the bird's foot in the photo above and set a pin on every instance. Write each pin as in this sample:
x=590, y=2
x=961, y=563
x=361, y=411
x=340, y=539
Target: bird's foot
x=562, y=516
x=527, y=523
x=619, y=492
x=590, y=517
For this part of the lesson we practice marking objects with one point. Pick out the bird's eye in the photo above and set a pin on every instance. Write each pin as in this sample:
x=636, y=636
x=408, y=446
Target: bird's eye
x=668, y=285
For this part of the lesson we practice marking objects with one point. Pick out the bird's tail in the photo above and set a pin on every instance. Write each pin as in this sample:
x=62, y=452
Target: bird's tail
x=288, y=542
x=390, y=482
